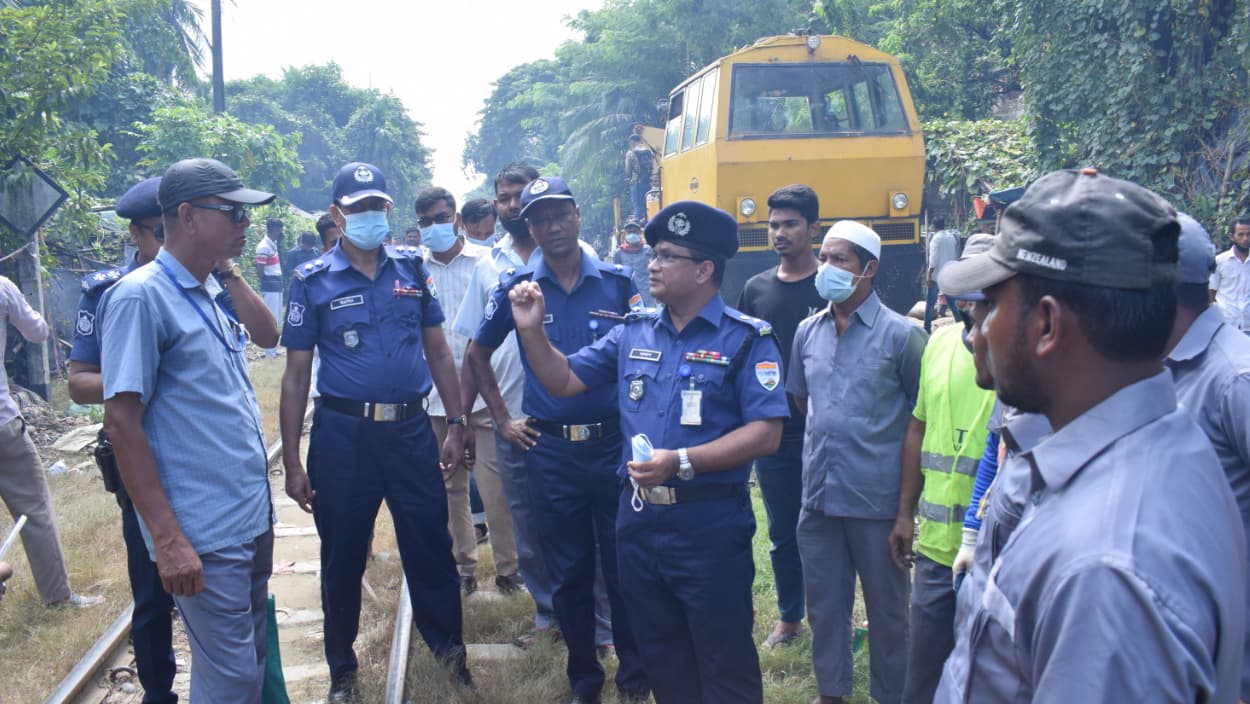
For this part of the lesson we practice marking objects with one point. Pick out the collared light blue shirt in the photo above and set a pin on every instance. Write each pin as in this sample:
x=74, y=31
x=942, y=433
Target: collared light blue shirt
x=570, y=326
x=1125, y=580
x=1211, y=368
x=642, y=363
x=200, y=414
x=861, y=386
x=369, y=333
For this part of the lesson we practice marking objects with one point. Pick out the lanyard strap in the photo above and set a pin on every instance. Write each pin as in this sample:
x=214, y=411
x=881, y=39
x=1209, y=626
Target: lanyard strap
x=211, y=325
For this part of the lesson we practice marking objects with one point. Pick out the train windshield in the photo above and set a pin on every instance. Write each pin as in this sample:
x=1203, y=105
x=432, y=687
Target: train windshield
x=814, y=100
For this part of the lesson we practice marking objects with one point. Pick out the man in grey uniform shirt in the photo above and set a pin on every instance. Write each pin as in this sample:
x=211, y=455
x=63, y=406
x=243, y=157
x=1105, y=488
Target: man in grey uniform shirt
x=1210, y=363
x=1125, y=579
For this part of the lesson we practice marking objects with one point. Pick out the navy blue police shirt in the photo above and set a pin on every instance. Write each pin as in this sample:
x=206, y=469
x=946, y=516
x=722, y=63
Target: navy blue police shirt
x=652, y=364
x=86, y=347
x=369, y=333
x=600, y=299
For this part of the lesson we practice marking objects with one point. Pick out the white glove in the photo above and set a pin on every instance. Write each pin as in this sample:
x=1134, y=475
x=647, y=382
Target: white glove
x=963, y=558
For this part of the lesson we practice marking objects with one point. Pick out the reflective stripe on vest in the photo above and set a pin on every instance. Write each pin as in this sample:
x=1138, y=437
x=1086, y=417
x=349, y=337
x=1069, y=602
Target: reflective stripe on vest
x=963, y=464
x=941, y=514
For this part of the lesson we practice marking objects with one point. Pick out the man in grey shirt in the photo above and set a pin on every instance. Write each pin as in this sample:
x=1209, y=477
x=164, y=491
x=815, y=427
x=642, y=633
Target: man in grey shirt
x=1125, y=580
x=854, y=371
x=1210, y=363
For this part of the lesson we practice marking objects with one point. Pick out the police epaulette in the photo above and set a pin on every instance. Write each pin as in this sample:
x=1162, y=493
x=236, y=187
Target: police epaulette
x=760, y=326
x=510, y=276
x=305, y=270
x=403, y=251
x=102, y=279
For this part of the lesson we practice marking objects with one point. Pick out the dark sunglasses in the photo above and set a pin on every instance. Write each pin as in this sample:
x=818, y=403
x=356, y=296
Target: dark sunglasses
x=237, y=212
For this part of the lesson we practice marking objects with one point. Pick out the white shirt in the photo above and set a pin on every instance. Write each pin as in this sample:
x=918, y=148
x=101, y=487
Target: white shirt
x=268, y=257
x=29, y=323
x=452, y=280
x=1231, y=283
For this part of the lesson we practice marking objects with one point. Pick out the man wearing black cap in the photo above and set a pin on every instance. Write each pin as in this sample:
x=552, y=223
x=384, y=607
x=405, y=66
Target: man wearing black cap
x=1210, y=363
x=183, y=419
x=701, y=384
x=1125, y=579
x=373, y=314
x=572, y=463
x=151, y=625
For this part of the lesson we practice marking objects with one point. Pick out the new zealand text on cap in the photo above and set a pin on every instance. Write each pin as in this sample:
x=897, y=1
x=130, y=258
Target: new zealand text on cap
x=1080, y=227
x=140, y=201
x=357, y=181
x=692, y=224
x=544, y=188
x=189, y=179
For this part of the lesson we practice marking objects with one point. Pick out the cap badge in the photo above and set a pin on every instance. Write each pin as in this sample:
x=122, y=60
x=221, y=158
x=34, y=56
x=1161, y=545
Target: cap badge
x=363, y=174
x=679, y=225
x=540, y=186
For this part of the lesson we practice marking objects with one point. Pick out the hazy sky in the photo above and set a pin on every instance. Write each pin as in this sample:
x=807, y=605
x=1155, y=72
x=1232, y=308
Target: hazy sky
x=439, y=58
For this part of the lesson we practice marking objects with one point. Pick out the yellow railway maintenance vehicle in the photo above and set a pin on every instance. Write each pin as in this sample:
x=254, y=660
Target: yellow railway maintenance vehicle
x=824, y=111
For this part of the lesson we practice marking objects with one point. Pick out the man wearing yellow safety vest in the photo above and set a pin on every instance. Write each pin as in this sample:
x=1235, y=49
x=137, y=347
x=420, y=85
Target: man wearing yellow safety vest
x=941, y=450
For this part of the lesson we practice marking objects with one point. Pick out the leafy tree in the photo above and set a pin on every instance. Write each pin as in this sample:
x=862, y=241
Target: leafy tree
x=966, y=158
x=520, y=121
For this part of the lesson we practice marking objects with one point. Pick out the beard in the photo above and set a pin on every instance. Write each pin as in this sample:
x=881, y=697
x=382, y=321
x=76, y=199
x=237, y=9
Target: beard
x=517, y=228
x=1014, y=376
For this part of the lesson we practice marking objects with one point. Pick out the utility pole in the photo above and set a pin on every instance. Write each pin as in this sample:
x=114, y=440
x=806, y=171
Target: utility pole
x=219, y=80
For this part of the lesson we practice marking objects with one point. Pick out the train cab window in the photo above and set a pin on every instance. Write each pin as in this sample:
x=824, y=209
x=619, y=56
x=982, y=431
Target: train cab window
x=707, y=103
x=672, y=130
x=691, y=119
x=814, y=100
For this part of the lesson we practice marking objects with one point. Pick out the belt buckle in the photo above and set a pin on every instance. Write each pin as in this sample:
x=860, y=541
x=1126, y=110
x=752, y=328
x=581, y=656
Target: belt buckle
x=661, y=495
x=385, y=412
x=578, y=433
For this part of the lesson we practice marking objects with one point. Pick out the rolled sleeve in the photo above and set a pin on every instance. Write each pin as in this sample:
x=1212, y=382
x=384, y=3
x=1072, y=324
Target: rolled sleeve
x=597, y=364
x=130, y=348
x=757, y=401
x=1106, y=635
x=301, y=329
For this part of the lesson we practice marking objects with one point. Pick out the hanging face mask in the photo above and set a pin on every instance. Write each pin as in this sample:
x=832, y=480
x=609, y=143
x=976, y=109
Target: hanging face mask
x=366, y=230
x=835, y=284
x=439, y=237
x=517, y=228
x=633, y=239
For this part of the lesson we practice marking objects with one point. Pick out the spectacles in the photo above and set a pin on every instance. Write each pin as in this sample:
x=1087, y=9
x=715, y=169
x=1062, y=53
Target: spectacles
x=542, y=222
x=440, y=219
x=238, y=213
x=666, y=258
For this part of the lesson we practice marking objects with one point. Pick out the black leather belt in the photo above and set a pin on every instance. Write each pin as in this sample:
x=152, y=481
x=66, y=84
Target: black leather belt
x=669, y=495
x=382, y=412
x=579, y=433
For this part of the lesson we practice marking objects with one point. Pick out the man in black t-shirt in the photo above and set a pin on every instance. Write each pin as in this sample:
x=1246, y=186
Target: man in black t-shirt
x=783, y=296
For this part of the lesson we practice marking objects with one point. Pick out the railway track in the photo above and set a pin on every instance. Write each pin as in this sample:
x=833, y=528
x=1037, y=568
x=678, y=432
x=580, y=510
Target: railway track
x=106, y=660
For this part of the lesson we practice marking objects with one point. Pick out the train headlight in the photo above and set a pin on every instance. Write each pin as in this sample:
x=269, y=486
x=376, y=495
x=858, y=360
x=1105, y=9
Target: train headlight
x=899, y=201
x=747, y=207
x=813, y=42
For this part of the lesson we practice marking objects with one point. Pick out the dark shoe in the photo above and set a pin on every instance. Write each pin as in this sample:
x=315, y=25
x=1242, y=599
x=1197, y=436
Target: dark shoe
x=343, y=690
x=468, y=584
x=778, y=637
x=482, y=533
x=509, y=584
x=531, y=636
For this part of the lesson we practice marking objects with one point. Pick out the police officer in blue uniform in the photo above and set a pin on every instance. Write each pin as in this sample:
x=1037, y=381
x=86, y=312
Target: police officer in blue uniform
x=572, y=465
x=373, y=313
x=702, y=382
x=151, y=623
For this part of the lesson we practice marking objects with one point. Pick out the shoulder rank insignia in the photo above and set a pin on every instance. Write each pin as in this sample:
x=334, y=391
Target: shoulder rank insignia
x=315, y=266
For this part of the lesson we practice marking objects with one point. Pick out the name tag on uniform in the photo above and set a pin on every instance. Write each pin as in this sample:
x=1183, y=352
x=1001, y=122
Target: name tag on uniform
x=347, y=302
x=691, y=407
x=644, y=355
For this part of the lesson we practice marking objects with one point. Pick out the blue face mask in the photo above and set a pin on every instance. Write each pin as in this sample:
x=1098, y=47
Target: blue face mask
x=366, y=230
x=633, y=239
x=439, y=237
x=834, y=284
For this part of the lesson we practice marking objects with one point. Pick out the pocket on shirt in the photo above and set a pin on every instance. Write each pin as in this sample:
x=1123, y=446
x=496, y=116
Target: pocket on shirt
x=340, y=320
x=869, y=390
x=639, y=386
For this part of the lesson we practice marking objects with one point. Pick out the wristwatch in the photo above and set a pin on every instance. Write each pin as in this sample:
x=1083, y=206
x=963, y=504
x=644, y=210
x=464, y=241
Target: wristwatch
x=685, y=470
x=234, y=272
x=456, y=420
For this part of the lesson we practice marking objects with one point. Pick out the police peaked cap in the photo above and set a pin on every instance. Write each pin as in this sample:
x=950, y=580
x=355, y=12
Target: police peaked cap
x=140, y=201
x=700, y=227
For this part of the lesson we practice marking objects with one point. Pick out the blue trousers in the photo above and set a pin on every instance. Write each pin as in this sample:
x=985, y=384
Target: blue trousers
x=226, y=623
x=781, y=484
x=688, y=570
x=638, y=198
x=354, y=464
x=932, y=629
x=574, y=490
x=151, y=627
x=930, y=308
